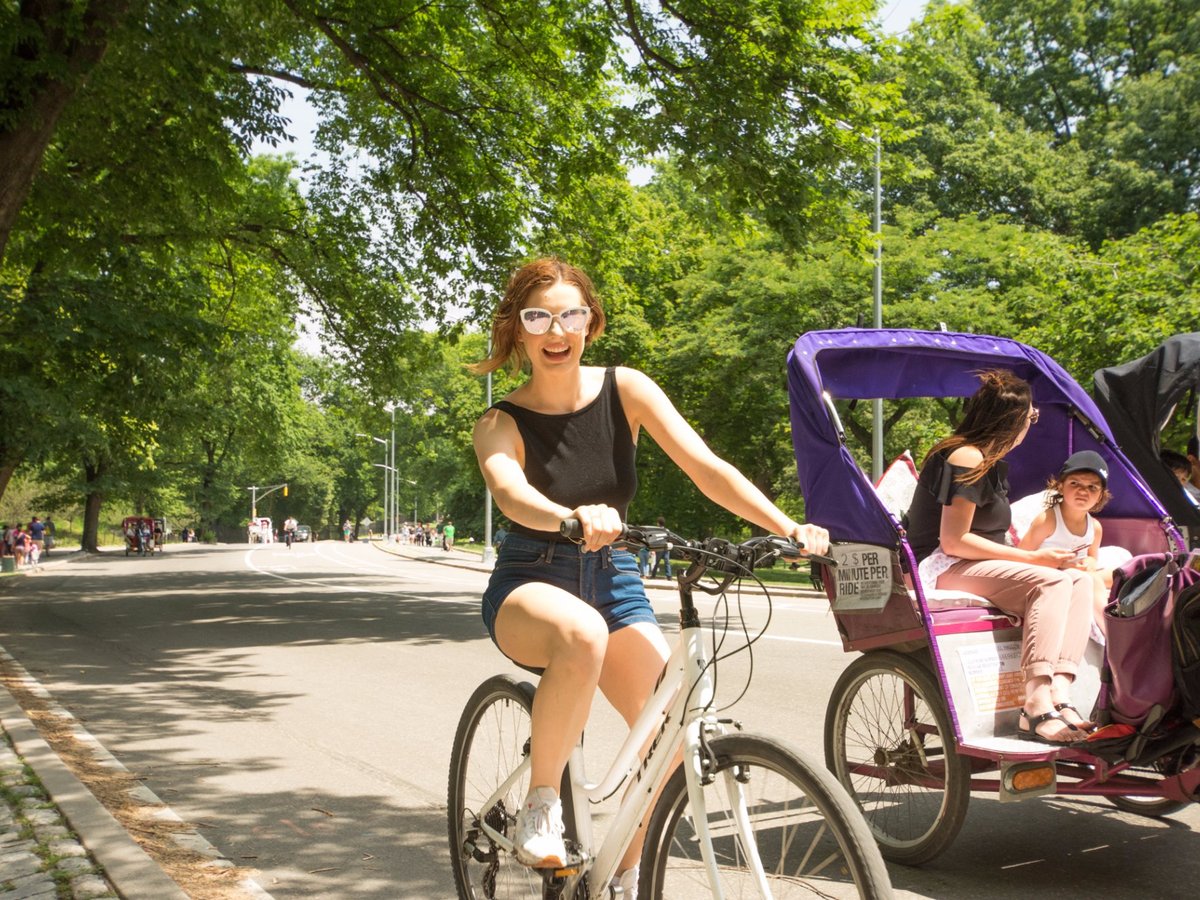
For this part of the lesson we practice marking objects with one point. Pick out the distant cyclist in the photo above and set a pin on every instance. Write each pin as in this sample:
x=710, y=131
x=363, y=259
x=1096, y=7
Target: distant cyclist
x=289, y=531
x=562, y=446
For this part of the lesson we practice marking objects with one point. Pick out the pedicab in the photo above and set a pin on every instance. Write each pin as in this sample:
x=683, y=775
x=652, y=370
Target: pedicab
x=1138, y=398
x=139, y=532
x=928, y=712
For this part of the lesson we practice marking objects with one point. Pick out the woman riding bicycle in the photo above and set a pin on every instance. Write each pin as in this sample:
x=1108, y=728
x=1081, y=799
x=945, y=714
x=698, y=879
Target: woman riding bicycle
x=562, y=446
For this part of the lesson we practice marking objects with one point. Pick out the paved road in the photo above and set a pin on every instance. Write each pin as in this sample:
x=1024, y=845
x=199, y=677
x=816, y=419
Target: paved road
x=299, y=707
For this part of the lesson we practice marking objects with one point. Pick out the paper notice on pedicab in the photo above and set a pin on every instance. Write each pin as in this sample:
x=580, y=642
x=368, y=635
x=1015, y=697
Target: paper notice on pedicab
x=864, y=577
x=993, y=673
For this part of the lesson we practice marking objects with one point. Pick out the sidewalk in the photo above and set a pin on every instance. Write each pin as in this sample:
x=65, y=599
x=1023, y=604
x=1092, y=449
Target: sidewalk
x=56, y=840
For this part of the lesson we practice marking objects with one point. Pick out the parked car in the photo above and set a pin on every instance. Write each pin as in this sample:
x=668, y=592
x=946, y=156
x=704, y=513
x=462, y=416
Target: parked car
x=303, y=533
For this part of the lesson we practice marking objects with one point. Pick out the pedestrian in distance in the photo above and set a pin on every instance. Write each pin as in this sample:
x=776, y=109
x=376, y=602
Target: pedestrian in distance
x=37, y=533
x=562, y=446
x=19, y=542
x=663, y=558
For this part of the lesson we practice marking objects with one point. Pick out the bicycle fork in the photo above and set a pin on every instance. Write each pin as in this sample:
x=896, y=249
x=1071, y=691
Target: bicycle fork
x=699, y=763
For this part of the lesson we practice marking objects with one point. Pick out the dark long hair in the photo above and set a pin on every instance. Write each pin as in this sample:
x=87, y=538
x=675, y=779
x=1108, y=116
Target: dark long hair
x=993, y=418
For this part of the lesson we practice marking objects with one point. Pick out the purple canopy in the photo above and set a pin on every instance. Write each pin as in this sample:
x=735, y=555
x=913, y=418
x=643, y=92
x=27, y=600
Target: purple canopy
x=890, y=364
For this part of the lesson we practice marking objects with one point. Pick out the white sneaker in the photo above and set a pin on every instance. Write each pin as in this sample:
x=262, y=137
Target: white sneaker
x=539, y=833
x=624, y=886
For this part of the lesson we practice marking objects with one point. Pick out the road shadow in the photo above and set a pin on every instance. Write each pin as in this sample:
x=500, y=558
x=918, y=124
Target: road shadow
x=1058, y=847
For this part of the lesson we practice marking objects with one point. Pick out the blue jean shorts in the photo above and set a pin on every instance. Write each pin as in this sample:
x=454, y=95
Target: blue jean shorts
x=607, y=580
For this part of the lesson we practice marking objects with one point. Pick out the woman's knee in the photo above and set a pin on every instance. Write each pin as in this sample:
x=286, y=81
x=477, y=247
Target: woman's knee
x=538, y=627
x=1057, y=583
x=581, y=638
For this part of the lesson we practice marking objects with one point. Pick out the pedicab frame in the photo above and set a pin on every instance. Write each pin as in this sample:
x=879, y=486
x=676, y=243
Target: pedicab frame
x=156, y=541
x=929, y=712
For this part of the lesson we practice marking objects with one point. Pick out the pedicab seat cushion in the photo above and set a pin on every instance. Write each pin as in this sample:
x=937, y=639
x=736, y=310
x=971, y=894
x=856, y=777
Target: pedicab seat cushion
x=958, y=611
x=948, y=599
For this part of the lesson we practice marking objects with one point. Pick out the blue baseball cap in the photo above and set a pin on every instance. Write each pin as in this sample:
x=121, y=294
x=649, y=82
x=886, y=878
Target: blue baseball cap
x=1085, y=461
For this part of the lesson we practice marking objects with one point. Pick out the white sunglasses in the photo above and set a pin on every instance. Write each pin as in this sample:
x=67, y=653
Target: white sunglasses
x=538, y=321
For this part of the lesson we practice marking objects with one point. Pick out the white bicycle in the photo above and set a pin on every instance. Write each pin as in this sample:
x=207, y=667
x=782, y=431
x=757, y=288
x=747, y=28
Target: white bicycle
x=741, y=816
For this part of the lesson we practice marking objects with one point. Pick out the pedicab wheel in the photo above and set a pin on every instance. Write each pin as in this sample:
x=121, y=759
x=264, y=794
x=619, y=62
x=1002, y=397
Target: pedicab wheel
x=1152, y=807
x=1157, y=807
x=889, y=740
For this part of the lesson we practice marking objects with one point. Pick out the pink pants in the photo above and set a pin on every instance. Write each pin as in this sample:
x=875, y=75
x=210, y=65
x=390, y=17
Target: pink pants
x=1054, y=604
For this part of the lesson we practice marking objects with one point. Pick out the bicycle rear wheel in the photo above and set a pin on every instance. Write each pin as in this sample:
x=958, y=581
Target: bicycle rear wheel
x=809, y=835
x=491, y=742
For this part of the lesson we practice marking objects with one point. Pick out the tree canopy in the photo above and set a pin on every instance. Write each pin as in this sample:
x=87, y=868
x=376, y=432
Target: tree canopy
x=1039, y=173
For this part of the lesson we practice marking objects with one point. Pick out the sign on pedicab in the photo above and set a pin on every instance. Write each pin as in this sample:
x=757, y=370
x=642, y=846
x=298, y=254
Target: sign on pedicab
x=864, y=577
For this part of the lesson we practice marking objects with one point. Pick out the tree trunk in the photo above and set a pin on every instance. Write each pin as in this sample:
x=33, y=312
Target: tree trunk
x=208, y=528
x=91, y=508
x=49, y=68
x=8, y=465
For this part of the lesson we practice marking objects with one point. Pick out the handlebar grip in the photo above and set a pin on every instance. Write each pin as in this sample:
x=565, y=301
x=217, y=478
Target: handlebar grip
x=572, y=530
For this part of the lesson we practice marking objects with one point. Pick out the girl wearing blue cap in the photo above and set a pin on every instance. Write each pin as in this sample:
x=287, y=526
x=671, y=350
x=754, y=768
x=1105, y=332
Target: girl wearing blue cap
x=1067, y=523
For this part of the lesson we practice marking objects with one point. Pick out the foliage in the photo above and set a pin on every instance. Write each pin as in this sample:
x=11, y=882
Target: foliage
x=1075, y=115
x=1039, y=166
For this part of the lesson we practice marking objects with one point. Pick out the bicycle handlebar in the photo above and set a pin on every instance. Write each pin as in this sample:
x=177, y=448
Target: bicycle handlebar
x=712, y=553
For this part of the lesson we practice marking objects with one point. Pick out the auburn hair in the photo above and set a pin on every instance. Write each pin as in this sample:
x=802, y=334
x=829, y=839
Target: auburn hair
x=523, y=284
x=993, y=418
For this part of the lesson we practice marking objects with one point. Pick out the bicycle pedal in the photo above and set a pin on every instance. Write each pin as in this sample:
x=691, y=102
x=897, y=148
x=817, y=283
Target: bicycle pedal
x=563, y=873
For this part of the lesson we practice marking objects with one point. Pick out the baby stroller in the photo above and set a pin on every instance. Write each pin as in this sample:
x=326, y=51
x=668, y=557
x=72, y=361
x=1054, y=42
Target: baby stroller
x=1138, y=399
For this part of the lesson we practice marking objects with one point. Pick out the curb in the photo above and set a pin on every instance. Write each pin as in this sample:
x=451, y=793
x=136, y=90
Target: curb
x=130, y=869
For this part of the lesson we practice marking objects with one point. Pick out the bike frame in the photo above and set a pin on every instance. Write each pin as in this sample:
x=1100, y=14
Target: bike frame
x=678, y=718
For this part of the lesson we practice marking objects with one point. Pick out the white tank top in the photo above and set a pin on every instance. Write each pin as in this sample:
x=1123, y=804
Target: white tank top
x=1063, y=539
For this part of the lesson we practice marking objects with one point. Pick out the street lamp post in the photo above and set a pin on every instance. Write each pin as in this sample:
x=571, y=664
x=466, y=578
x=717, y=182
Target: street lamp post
x=877, y=404
x=389, y=525
x=414, y=484
x=488, y=553
x=877, y=299
x=387, y=468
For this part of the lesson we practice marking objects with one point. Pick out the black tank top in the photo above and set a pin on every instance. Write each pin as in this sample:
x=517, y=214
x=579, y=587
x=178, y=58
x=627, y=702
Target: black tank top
x=577, y=458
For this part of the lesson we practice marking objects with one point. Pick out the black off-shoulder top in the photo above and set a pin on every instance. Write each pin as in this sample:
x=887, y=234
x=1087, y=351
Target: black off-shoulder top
x=938, y=485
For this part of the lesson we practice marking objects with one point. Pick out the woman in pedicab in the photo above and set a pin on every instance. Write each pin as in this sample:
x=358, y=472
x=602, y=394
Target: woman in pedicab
x=957, y=526
x=932, y=708
x=1139, y=399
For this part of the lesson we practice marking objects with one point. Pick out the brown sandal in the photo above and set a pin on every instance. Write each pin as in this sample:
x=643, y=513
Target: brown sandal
x=1032, y=734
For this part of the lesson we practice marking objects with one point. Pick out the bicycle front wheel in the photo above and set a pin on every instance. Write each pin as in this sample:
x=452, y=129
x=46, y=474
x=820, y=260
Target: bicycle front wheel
x=769, y=802
x=492, y=741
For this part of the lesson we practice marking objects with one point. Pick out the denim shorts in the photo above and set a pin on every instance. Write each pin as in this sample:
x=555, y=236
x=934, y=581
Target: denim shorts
x=607, y=580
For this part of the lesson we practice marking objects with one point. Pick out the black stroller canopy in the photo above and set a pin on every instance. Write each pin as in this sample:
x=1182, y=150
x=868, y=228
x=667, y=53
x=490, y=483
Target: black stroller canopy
x=1138, y=398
